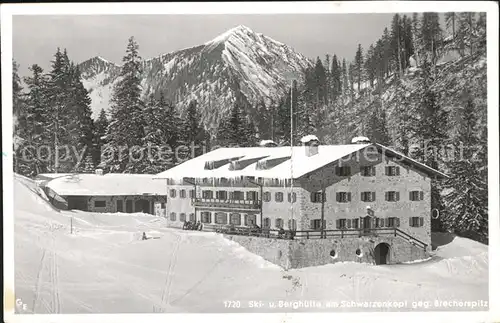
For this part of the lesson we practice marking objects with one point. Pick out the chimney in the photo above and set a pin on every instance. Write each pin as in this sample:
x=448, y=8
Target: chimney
x=98, y=171
x=311, y=145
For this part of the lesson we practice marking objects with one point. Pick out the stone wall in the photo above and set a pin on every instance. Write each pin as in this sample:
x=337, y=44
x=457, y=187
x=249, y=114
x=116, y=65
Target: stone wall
x=316, y=252
x=409, y=179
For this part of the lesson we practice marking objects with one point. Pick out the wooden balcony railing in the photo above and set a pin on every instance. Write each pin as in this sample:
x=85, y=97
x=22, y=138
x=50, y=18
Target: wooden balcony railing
x=228, y=204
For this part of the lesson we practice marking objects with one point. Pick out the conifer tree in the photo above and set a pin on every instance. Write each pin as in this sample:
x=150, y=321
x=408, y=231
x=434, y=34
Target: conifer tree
x=100, y=131
x=376, y=129
x=467, y=197
x=19, y=114
x=194, y=135
x=31, y=159
x=358, y=66
x=430, y=133
x=160, y=156
x=126, y=128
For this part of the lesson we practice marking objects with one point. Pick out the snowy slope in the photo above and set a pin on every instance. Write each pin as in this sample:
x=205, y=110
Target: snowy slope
x=238, y=61
x=104, y=267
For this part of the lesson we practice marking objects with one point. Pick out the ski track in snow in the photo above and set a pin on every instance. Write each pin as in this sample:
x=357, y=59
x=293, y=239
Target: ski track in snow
x=105, y=267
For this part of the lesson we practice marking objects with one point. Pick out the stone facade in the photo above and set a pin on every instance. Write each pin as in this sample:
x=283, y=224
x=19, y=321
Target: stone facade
x=316, y=252
x=409, y=179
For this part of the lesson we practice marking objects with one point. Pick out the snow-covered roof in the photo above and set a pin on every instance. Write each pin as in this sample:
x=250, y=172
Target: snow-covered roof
x=308, y=138
x=282, y=166
x=107, y=185
x=51, y=175
x=360, y=139
x=267, y=142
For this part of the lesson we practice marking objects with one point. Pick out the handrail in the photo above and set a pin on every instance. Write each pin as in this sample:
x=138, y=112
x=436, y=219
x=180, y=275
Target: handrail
x=406, y=235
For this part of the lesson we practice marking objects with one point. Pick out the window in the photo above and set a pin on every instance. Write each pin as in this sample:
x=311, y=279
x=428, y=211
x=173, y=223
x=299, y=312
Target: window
x=252, y=196
x=99, y=203
x=341, y=223
x=182, y=217
x=267, y=223
x=343, y=171
x=392, y=170
x=221, y=195
x=292, y=197
x=235, y=218
x=355, y=223
x=191, y=217
x=250, y=219
x=392, y=222
x=173, y=216
x=318, y=197
x=416, y=196
x=367, y=196
x=367, y=170
x=162, y=205
x=279, y=223
x=204, y=181
x=172, y=193
x=207, y=194
x=119, y=206
x=316, y=224
x=292, y=224
x=221, y=218
x=182, y=194
x=206, y=217
x=278, y=197
x=236, y=195
x=416, y=221
x=191, y=194
x=343, y=197
x=266, y=196
x=392, y=196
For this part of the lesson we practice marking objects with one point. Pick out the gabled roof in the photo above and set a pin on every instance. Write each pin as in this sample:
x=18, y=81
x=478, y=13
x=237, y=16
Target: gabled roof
x=107, y=185
x=296, y=165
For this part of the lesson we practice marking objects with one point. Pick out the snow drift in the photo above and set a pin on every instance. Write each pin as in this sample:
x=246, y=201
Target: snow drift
x=105, y=267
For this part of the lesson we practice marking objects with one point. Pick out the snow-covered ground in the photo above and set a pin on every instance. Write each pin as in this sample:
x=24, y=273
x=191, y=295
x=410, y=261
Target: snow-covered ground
x=104, y=267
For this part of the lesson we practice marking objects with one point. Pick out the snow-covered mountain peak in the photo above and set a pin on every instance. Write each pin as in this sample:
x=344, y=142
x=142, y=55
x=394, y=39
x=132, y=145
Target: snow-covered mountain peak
x=238, y=62
x=240, y=30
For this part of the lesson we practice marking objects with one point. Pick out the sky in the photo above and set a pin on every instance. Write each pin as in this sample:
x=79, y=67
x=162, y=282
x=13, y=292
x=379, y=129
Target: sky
x=36, y=38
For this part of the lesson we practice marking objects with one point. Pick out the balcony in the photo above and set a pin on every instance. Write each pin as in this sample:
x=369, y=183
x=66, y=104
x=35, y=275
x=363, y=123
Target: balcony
x=253, y=205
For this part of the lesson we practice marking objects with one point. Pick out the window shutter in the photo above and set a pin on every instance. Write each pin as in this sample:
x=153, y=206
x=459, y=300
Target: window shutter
x=397, y=170
x=245, y=219
x=397, y=196
x=337, y=197
x=337, y=223
x=421, y=195
x=349, y=222
x=374, y=196
x=324, y=224
x=361, y=222
x=373, y=171
x=382, y=222
x=396, y=221
x=311, y=224
x=387, y=196
x=421, y=221
x=349, y=196
x=387, y=170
